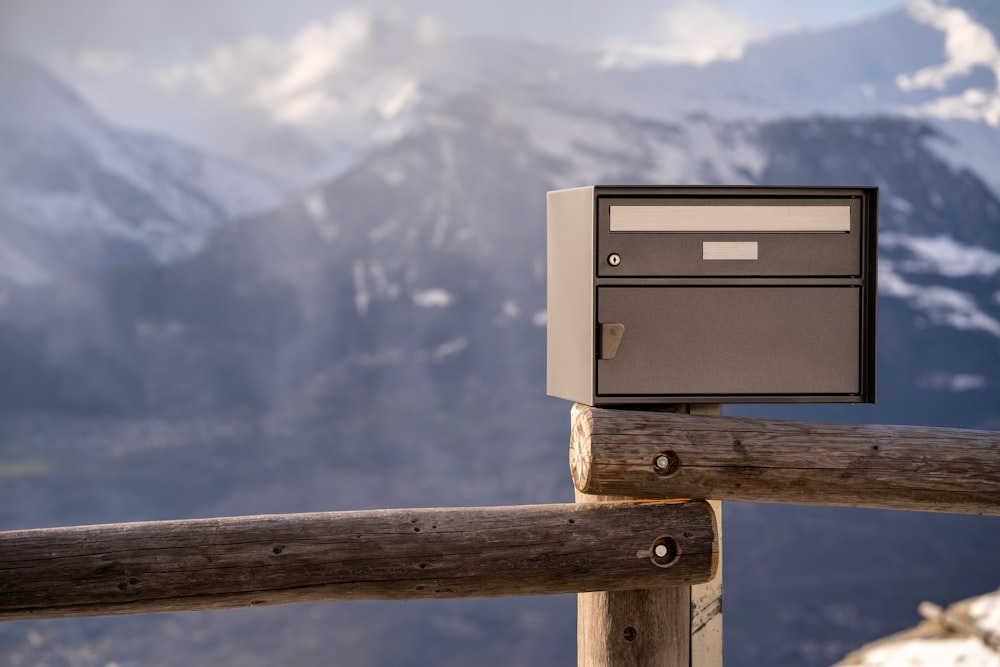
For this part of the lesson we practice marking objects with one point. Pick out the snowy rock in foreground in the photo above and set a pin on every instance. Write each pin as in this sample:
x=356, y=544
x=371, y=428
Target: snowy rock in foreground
x=966, y=635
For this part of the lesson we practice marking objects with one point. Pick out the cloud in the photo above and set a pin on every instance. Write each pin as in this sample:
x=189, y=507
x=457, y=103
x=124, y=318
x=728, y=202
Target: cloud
x=968, y=45
x=104, y=61
x=236, y=70
x=312, y=55
x=693, y=32
x=286, y=80
x=300, y=105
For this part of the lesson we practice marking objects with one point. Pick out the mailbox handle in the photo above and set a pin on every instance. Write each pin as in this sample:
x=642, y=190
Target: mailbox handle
x=609, y=337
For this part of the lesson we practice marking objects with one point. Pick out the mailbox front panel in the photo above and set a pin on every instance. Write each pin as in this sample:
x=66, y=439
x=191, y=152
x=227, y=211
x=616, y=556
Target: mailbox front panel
x=750, y=341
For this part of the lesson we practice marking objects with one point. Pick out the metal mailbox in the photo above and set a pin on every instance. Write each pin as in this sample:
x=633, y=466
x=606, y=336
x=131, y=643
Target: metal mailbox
x=712, y=294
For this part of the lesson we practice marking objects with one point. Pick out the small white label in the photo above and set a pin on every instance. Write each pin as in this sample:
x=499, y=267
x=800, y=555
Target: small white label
x=729, y=250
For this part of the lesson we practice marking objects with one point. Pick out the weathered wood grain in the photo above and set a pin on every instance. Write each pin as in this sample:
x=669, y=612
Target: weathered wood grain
x=706, y=611
x=633, y=627
x=383, y=554
x=774, y=461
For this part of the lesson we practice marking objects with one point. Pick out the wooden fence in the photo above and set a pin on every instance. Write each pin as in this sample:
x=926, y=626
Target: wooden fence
x=137, y=568
x=657, y=455
x=643, y=556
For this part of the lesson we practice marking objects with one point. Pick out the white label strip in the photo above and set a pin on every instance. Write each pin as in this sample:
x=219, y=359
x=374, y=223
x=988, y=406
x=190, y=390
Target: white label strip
x=729, y=250
x=730, y=218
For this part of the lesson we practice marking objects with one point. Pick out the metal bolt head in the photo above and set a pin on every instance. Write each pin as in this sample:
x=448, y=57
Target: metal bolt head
x=614, y=259
x=666, y=463
x=664, y=551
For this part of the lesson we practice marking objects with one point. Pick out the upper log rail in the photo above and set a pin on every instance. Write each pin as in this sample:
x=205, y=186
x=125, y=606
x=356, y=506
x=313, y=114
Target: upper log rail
x=655, y=454
x=198, y=564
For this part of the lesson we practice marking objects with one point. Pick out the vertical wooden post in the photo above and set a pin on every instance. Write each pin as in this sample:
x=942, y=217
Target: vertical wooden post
x=706, y=599
x=680, y=626
x=644, y=627
x=706, y=612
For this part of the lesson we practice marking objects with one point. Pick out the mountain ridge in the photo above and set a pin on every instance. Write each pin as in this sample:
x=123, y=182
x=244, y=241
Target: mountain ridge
x=78, y=194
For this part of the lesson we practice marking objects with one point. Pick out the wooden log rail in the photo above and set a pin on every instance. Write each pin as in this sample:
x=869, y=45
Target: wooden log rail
x=653, y=454
x=399, y=554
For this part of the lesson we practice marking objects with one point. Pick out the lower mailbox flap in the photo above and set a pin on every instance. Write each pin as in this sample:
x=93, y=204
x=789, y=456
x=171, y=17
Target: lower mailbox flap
x=733, y=340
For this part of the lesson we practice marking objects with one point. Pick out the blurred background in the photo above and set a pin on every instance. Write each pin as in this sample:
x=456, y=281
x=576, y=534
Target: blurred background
x=278, y=257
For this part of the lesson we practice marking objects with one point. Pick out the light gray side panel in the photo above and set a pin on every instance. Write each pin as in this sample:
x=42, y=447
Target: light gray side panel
x=570, y=294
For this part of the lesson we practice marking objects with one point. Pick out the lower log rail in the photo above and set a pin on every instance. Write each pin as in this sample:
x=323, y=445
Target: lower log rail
x=655, y=454
x=199, y=564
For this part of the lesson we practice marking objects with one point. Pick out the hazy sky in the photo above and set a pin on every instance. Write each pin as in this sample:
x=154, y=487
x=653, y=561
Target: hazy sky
x=240, y=77
x=166, y=32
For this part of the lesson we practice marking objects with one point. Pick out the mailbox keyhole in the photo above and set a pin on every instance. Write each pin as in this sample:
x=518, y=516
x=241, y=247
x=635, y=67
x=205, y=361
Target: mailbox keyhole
x=614, y=259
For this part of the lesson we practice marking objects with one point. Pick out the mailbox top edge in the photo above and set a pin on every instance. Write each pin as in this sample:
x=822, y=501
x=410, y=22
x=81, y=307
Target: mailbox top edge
x=730, y=190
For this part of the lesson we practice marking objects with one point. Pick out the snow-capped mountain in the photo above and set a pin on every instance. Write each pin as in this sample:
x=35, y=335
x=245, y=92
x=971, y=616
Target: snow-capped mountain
x=390, y=319
x=308, y=108
x=394, y=314
x=79, y=194
x=426, y=261
x=312, y=106
x=934, y=60
x=446, y=216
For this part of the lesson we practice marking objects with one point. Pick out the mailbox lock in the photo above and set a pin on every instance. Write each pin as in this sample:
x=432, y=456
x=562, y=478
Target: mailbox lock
x=614, y=259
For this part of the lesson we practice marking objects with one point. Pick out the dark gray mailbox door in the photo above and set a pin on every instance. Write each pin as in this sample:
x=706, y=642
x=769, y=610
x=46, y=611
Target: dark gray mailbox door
x=680, y=294
x=703, y=341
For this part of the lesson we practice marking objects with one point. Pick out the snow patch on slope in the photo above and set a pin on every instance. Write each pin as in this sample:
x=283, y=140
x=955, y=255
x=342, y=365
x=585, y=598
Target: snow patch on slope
x=594, y=147
x=942, y=305
x=970, y=145
x=943, y=255
x=968, y=45
x=433, y=298
x=19, y=269
x=953, y=382
x=449, y=348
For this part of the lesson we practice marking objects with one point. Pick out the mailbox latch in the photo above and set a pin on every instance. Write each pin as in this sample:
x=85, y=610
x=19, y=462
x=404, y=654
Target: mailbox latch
x=609, y=337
